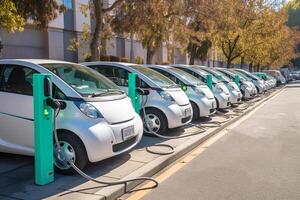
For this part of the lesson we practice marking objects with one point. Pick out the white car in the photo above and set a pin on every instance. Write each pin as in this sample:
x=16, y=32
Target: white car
x=200, y=96
x=98, y=122
x=167, y=106
x=247, y=87
x=259, y=84
x=219, y=90
x=235, y=92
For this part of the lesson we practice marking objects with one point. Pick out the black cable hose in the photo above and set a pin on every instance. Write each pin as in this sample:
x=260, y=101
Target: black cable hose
x=64, y=159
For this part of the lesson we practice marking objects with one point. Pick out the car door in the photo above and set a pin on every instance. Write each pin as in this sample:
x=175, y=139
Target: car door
x=16, y=110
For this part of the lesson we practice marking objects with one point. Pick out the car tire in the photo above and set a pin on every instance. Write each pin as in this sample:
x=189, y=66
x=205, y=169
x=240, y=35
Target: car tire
x=162, y=118
x=196, y=111
x=76, y=144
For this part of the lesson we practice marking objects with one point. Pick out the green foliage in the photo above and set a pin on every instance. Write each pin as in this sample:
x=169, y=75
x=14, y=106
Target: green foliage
x=10, y=19
x=40, y=11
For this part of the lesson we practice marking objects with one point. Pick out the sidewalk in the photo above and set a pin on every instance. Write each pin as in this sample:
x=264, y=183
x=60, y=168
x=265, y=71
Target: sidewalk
x=17, y=172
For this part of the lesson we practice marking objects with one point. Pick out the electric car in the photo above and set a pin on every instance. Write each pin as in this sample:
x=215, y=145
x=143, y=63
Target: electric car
x=235, y=92
x=166, y=106
x=219, y=90
x=268, y=79
x=98, y=122
x=259, y=84
x=247, y=87
x=200, y=96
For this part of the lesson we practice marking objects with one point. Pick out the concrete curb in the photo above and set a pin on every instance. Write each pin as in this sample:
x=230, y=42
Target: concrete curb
x=150, y=169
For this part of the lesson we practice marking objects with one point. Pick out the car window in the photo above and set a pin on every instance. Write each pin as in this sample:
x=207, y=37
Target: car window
x=170, y=76
x=84, y=80
x=17, y=79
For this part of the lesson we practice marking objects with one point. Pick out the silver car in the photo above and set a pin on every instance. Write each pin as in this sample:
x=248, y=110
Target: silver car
x=235, y=92
x=98, y=122
x=201, y=97
x=167, y=106
x=219, y=90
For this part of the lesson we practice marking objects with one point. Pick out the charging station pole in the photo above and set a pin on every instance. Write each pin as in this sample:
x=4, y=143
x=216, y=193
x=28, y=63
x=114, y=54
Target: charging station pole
x=219, y=77
x=134, y=96
x=237, y=80
x=209, y=81
x=43, y=130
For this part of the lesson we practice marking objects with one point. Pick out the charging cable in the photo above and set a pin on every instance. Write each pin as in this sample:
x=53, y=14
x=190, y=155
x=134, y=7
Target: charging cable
x=67, y=161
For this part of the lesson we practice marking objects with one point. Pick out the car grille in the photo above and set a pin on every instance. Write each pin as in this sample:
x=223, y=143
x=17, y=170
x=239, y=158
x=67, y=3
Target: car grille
x=184, y=120
x=124, y=145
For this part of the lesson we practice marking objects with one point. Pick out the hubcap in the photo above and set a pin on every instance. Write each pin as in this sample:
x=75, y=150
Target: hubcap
x=63, y=154
x=153, y=123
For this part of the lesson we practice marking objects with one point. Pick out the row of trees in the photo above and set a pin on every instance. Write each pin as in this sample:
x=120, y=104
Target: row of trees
x=243, y=31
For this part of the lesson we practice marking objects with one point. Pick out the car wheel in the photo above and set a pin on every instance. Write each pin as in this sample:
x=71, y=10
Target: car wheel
x=196, y=112
x=74, y=149
x=156, y=120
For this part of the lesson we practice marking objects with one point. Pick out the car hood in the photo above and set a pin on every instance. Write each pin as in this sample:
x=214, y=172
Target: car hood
x=116, y=111
x=179, y=96
x=208, y=93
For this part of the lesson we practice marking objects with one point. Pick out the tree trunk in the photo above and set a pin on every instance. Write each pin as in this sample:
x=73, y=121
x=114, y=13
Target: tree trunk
x=242, y=62
x=251, y=67
x=228, y=63
x=94, y=46
x=150, y=54
x=131, y=48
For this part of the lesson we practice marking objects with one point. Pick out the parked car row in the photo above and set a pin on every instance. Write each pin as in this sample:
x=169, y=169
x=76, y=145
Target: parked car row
x=99, y=120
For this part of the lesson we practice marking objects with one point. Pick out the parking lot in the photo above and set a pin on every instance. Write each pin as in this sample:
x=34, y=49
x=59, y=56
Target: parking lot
x=17, y=172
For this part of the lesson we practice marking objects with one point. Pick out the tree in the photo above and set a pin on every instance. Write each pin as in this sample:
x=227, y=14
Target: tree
x=40, y=11
x=153, y=22
x=10, y=19
x=100, y=15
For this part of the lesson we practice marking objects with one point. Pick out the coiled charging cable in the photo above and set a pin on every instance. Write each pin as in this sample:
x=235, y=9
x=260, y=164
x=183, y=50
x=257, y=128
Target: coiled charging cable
x=170, y=147
x=66, y=160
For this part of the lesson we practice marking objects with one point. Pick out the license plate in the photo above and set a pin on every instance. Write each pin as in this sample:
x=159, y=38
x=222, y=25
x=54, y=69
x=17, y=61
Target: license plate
x=127, y=133
x=187, y=112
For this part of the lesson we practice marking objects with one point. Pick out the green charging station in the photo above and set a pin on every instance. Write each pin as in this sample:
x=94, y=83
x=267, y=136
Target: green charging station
x=132, y=93
x=237, y=80
x=219, y=77
x=209, y=81
x=43, y=129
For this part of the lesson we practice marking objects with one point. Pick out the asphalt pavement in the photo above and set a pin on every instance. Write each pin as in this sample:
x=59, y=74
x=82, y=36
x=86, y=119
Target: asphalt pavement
x=258, y=159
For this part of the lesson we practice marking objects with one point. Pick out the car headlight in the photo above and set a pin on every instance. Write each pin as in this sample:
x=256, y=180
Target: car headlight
x=166, y=96
x=199, y=91
x=218, y=89
x=89, y=110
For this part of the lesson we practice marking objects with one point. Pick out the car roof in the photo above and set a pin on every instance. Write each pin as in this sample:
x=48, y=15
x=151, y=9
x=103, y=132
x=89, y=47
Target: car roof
x=34, y=61
x=110, y=63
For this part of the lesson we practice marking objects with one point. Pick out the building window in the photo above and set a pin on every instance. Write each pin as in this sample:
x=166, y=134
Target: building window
x=68, y=4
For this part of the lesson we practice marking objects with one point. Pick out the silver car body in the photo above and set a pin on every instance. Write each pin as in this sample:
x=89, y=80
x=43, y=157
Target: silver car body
x=177, y=112
x=247, y=87
x=259, y=84
x=235, y=92
x=198, y=93
x=219, y=89
x=102, y=137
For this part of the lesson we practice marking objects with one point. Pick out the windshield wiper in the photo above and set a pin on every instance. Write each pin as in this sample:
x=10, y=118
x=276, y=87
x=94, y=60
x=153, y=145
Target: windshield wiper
x=107, y=92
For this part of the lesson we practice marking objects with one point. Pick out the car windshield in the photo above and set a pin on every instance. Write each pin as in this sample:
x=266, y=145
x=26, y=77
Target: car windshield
x=204, y=74
x=250, y=75
x=242, y=76
x=216, y=73
x=84, y=80
x=187, y=77
x=156, y=77
x=232, y=74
